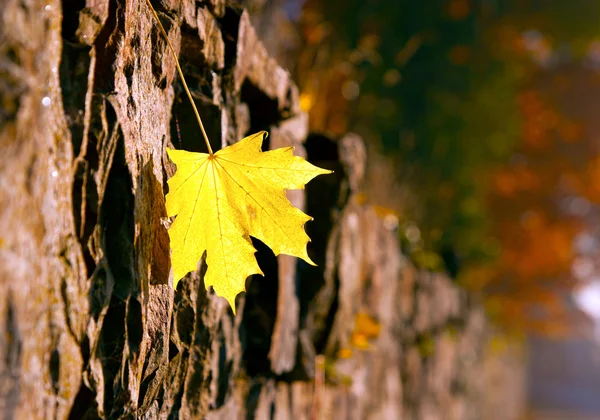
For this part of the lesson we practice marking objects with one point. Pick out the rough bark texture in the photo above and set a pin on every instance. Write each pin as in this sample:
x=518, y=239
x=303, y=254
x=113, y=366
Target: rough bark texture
x=89, y=324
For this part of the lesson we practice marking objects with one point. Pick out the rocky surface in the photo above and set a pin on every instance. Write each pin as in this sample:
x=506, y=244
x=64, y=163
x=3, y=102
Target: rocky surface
x=89, y=324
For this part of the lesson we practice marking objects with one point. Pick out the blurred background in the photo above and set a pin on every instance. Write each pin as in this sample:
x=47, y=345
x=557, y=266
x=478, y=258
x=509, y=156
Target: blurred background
x=483, y=127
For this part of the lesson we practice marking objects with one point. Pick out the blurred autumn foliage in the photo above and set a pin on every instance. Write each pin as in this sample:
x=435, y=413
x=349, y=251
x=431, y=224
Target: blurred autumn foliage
x=467, y=108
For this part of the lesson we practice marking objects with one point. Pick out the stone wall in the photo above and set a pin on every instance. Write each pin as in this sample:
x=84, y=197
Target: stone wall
x=89, y=324
x=383, y=339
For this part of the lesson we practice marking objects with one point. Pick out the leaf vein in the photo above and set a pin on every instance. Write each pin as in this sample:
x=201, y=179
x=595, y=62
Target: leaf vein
x=195, y=203
x=219, y=221
x=248, y=193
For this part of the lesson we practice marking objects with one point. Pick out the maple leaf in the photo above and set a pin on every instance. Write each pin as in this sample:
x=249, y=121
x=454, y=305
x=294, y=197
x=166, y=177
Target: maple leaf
x=222, y=199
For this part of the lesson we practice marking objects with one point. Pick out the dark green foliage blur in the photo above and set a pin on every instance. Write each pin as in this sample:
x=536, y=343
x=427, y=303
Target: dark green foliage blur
x=439, y=87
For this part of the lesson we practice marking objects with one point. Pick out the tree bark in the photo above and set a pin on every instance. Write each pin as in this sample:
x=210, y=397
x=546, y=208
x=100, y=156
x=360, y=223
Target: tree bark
x=90, y=326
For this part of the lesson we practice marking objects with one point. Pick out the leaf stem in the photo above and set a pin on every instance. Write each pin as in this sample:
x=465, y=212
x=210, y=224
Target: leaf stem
x=210, y=151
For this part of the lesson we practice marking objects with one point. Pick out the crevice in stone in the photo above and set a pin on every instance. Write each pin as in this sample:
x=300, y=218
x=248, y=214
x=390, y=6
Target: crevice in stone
x=264, y=111
x=54, y=369
x=135, y=329
x=12, y=344
x=73, y=72
x=112, y=344
x=70, y=21
x=189, y=131
x=260, y=312
x=116, y=215
x=229, y=24
x=84, y=406
x=107, y=44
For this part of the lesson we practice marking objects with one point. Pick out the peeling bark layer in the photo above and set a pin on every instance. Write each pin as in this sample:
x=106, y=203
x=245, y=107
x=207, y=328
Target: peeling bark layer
x=89, y=324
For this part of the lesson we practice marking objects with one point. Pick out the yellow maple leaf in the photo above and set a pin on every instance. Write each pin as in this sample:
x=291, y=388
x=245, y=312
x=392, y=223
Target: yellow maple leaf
x=221, y=199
